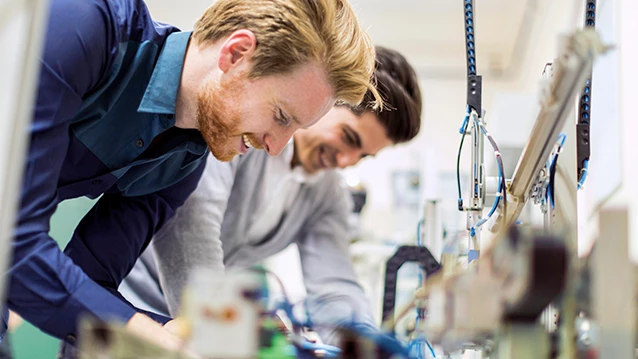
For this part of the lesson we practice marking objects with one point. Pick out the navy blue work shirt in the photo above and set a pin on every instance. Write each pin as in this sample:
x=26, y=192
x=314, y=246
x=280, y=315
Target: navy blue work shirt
x=107, y=89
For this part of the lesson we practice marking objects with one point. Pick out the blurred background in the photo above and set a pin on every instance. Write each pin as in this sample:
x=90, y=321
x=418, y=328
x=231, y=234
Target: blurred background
x=515, y=39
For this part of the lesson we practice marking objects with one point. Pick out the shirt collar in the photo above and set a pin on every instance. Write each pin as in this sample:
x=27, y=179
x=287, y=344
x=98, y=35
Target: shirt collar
x=161, y=93
x=288, y=151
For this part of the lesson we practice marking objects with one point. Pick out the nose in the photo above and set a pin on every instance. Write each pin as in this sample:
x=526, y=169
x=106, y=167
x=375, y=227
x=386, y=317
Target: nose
x=275, y=143
x=347, y=158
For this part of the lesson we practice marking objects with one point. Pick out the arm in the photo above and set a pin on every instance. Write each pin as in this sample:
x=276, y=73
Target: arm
x=46, y=288
x=113, y=234
x=192, y=238
x=335, y=297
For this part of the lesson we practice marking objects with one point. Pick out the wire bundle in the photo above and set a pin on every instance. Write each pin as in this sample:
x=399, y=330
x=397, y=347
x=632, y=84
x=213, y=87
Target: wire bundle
x=383, y=341
x=502, y=185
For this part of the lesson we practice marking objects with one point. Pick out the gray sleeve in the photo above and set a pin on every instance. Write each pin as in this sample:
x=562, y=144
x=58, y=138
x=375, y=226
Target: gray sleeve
x=141, y=286
x=334, y=294
x=192, y=237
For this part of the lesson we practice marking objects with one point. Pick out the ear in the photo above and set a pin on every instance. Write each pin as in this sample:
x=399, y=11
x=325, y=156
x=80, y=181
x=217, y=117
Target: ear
x=236, y=49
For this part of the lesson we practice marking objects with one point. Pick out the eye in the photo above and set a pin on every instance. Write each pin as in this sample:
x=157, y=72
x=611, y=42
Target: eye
x=347, y=137
x=280, y=118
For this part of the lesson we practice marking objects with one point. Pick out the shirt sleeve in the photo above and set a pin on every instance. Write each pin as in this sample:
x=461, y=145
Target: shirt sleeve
x=335, y=297
x=46, y=288
x=192, y=238
x=115, y=232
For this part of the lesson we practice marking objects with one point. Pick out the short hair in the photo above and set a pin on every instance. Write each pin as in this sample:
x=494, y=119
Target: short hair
x=398, y=85
x=294, y=32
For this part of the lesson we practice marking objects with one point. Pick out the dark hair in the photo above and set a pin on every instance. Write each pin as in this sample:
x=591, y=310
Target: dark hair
x=398, y=84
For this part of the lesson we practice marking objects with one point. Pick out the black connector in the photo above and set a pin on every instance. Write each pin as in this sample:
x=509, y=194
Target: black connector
x=474, y=93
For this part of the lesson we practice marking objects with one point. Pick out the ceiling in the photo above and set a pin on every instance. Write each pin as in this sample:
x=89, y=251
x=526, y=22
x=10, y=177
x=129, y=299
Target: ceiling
x=430, y=33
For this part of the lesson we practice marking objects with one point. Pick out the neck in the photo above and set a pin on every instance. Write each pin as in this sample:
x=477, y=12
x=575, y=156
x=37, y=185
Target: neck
x=186, y=110
x=196, y=69
x=294, y=162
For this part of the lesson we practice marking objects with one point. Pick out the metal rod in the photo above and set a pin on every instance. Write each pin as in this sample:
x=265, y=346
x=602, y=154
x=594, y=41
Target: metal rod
x=570, y=71
x=30, y=18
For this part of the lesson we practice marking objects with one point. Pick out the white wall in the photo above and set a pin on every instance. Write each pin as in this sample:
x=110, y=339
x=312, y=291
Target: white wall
x=182, y=15
x=628, y=51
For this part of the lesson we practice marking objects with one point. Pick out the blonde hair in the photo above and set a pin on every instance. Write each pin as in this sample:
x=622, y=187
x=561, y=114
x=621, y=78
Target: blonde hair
x=294, y=32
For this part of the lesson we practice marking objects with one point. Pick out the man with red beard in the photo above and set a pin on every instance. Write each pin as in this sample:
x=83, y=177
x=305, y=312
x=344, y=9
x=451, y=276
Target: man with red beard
x=245, y=211
x=127, y=109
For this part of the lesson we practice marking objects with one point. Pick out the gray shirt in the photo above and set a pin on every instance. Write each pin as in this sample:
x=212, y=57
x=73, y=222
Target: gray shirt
x=211, y=229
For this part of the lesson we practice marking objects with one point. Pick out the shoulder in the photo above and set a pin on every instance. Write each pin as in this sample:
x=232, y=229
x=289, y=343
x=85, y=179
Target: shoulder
x=330, y=181
x=133, y=21
x=116, y=21
x=331, y=191
x=84, y=37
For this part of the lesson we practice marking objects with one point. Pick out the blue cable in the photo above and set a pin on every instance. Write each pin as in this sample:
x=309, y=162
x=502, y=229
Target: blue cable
x=498, y=195
x=462, y=131
x=561, y=142
x=583, y=175
x=330, y=351
x=494, y=205
x=417, y=343
x=430, y=347
x=412, y=345
x=384, y=341
x=464, y=125
x=390, y=344
x=287, y=307
x=561, y=139
x=465, y=120
x=550, y=194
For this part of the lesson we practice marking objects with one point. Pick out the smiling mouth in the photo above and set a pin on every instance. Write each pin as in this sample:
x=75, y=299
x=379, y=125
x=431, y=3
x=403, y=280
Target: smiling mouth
x=325, y=160
x=247, y=142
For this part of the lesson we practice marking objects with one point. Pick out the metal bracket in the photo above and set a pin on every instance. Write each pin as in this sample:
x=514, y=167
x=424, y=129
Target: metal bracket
x=474, y=93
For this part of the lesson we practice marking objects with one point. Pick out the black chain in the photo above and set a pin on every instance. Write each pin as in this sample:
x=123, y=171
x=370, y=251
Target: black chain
x=584, y=109
x=474, y=84
x=469, y=37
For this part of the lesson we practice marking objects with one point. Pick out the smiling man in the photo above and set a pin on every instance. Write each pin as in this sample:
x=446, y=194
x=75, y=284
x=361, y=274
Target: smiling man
x=295, y=197
x=127, y=109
